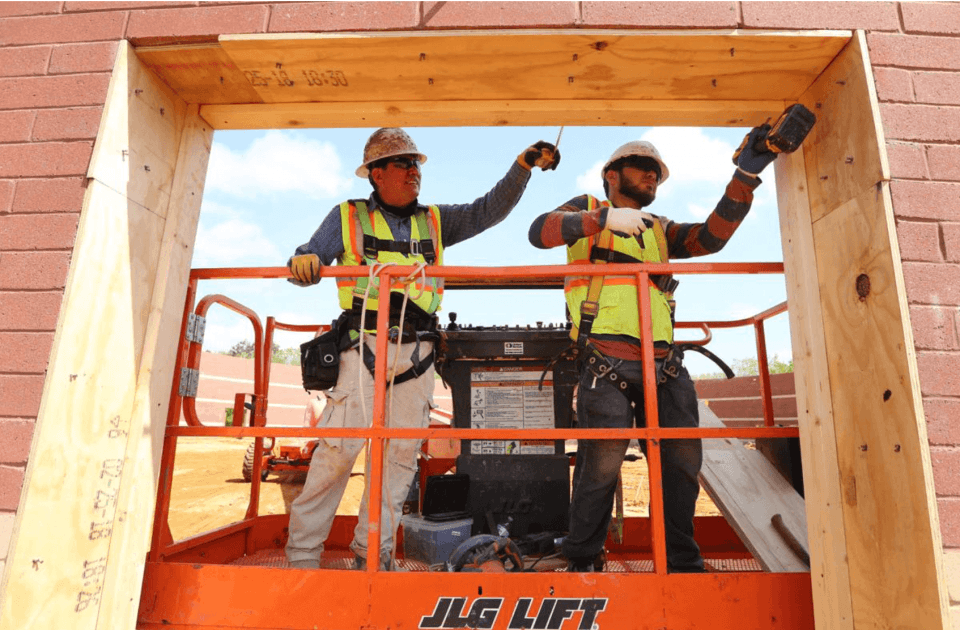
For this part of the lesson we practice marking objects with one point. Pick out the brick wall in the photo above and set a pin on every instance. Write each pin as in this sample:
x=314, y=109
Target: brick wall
x=55, y=62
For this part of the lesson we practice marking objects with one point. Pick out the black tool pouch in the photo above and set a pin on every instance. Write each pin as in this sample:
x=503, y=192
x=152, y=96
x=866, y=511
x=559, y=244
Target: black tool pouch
x=320, y=360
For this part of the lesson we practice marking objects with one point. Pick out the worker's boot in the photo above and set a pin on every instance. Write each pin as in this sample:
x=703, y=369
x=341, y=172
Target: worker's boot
x=386, y=563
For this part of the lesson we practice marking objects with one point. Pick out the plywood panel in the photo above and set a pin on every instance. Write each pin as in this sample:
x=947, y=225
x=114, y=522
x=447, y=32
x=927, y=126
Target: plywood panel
x=842, y=153
x=80, y=464
x=502, y=65
x=885, y=476
x=201, y=73
x=750, y=491
x=491, y=113
x=829, y=567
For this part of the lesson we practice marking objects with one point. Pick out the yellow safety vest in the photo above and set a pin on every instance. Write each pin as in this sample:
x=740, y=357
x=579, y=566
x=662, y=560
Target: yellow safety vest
x=617, y=312
x=359, y=224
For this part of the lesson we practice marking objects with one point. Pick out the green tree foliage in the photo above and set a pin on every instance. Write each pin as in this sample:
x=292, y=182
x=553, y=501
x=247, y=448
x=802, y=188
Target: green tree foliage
x=244, y=349
x=749, y=367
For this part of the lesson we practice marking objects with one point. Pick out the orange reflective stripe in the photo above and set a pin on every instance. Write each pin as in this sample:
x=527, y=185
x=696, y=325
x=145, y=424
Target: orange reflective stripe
x=607, y=281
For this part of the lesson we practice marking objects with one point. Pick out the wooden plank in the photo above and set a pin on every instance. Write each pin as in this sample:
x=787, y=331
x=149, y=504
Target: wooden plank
x=842, y=156
x=750, y=491
x=494, y=113
x=199, y=73
x=501, y=65
x=829, y=566
x=138, y=490
x=62, y=546
x=884, y=458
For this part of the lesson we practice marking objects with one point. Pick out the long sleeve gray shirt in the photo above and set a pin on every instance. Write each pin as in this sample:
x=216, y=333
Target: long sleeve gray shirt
x=458, y=222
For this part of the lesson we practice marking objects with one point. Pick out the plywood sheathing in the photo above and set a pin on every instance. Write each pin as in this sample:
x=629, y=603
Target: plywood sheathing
x=472, y=77
x=80, y=542
x=874, y=535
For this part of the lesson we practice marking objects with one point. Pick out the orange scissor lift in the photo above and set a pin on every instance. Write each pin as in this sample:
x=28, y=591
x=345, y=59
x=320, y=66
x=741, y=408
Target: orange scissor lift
x=237, y=576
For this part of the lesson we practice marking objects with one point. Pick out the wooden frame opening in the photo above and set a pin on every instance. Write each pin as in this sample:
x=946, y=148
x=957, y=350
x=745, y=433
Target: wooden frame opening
x=873, y=530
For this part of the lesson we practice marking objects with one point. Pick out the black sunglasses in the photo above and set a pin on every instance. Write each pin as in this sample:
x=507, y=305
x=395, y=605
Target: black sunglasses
x=403, y=162
x=643, y=163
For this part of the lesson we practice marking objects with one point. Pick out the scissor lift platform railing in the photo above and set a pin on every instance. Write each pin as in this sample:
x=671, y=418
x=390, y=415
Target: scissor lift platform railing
x=236, y=577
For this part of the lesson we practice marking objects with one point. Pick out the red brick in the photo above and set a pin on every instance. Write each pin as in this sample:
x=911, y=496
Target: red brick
x=925, y=200
x=931, y=17
x=344, y=16
x=203, y=22
x=949, y=512
x=499, y=14
x=58, y=91
x=15, y=444
x=939, y=373
x=11, y=484
x=928, y=123
x=937, y=87
x=951, y=240
x=67, y=124
x=934, y=328
x=942, y=425
x=59, y=29
x=25, y=352
x=64, y=194
x=33, y=270
x=919, y=241
x=75, y=58
x=45, y=158
x=873, y=16
x=907, y=161
x=932, y=283
x=20, y=394
x=16, y=126
x=6, y=195
x=946, y=470
x=661, y=14
x=8, y=9
x=22, y=310
x=69, y=7
x=944, y=161
x=893, y=84
x=23, y=61
x=31, y=232
x=914, y=51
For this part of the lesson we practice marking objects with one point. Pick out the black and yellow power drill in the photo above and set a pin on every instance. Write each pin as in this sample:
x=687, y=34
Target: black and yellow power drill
x=784, y=136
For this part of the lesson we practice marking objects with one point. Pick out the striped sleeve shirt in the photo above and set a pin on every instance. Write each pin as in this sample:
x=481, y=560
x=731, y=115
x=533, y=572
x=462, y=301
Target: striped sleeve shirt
x=572, y=221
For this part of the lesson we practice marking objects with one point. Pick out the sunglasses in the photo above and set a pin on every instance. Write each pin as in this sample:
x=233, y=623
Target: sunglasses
x=403, y=162
x=644, y=164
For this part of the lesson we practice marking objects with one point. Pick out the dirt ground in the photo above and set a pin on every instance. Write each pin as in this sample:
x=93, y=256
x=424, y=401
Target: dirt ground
x=209, y=491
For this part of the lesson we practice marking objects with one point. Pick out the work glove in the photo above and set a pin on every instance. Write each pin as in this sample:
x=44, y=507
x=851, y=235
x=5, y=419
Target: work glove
x=542, y=154
x=305, y=269
x=628, y=221
x=752, y=159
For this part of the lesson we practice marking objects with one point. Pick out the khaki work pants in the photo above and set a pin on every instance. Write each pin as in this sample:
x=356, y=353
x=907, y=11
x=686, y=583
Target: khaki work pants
x=312, y=513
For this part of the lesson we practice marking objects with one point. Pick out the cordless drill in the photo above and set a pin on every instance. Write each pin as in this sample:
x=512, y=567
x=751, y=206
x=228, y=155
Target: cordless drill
x=786, y=134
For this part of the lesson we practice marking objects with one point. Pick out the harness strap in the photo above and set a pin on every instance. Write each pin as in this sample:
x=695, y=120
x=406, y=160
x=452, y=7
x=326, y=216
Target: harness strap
x=371, y=245
x=418, y=369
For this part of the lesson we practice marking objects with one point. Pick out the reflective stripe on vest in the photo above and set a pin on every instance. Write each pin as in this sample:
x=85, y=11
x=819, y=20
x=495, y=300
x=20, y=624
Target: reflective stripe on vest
x=618, y=312
x=356, y=220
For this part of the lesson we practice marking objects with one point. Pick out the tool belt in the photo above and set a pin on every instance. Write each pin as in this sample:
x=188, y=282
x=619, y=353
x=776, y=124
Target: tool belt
x=320, y=357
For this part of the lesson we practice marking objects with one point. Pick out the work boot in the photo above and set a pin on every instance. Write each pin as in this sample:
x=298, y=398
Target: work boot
x=580, y=565
x=386, y=563
x=309, y=563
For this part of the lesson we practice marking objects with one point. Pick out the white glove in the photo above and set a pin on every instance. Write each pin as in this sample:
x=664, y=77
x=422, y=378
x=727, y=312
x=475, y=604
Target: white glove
x=627, y=220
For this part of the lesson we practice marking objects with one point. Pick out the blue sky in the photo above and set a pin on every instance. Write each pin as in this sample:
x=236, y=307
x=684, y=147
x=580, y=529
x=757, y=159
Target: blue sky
x=267, y=191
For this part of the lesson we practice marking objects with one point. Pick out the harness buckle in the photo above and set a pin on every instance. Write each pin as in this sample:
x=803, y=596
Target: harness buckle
x=415, y=249
x=591, y=309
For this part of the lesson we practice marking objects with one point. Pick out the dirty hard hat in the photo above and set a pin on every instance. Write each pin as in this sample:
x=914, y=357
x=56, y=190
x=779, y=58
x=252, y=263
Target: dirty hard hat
x=384, y=143
x=639, y=148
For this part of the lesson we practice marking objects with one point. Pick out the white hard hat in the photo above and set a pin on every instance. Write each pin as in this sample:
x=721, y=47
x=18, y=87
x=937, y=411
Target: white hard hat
x=384, y=143
x=639, y=148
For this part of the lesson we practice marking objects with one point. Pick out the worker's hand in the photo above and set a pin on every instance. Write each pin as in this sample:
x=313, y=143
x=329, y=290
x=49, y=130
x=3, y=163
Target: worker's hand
x=305, y=269
x=628, y=221
x=752, y=159
x=542, y=154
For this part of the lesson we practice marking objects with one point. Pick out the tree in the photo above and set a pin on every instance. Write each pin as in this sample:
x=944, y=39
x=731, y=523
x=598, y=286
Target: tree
x=750, y=367
x=244, y=349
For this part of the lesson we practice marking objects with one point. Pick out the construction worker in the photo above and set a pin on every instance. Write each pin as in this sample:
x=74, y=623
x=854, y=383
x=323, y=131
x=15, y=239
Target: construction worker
x=391, y=226
x=606, y=331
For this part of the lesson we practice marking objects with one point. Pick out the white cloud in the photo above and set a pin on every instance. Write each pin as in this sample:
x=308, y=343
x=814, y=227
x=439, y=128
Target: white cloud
x=230, y=242
x=698, y=211
x=691, y=156
x=591, y=182
x=279, y=162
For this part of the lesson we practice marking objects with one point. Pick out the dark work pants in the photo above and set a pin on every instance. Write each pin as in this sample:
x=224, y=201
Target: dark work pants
x=601, y=405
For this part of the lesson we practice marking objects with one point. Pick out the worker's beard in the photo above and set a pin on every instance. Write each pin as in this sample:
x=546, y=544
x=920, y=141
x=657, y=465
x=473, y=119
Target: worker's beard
x=632, y=192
